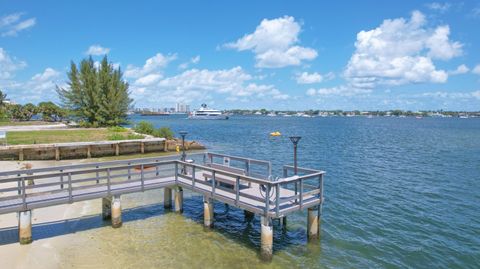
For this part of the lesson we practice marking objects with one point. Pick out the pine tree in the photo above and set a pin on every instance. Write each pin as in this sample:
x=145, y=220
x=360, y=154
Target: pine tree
x=99, y=96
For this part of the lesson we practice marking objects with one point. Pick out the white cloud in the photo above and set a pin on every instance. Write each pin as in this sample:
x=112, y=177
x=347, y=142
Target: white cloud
x=452, y=95
x=401, y=51
x=461, y=69
x=310, y=78
x=40, y=87
x=194, y=60
x=476, y=69
x=44, y=81
x=440, y=7
x=11, y=24
x=337, y=91
x=97, y=50
x=274, y=44
x=200, y=84
x=152, y=65
x=148, y=80
x=9, y=65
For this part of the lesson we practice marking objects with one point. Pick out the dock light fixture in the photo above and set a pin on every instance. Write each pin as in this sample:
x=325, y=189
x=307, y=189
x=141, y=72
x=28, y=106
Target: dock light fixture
x=184, y=155
x=295, y=140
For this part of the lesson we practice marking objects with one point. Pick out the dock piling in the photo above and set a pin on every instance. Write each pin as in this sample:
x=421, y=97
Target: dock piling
x=313, y=223
x=116, y=212
x=178, y=199
x=248, y=215
x=208, y=217
x=107, y=208
x=266, y=247
x=25, y=227
x=167, y=198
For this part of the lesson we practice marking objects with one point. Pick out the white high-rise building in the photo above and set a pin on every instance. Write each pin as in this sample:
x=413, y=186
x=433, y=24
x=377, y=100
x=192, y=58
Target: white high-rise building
x=182, y=108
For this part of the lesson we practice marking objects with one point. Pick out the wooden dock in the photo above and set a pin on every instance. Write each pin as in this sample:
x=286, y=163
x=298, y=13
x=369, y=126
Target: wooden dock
x=240, y=182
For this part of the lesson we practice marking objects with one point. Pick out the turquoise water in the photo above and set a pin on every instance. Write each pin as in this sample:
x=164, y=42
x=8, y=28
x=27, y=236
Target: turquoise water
x=400, y=192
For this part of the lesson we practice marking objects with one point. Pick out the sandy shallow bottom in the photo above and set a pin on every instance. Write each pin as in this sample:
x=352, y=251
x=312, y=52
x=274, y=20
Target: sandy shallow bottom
x=75, y=236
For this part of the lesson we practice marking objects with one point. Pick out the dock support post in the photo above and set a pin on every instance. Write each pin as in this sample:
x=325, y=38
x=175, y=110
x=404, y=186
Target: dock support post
x=208, y=212
x=89, y=151
x=313, y=223
x=107, y=208
x=178, y=199
x=116, y=212
x=20, y=155
x=266, y=246
x=57, y=153
x=142, y=147
x=117, y=149
x=25, y=227
x=167, y=198
x=283, y=223
x=248, y=215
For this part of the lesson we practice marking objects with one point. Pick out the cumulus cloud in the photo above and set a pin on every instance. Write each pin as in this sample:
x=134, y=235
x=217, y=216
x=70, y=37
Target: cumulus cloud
x=39, y=87
x=44, y=81
x=12, y=24
x=194, y=60
x=337, y=91
x=310, y=78
x=476, y=69
x=461, y=69
x=452, y=95
x=201, y=84
x=154, y=64
x=274, y=43
x=8, y=65
x=97, y=50
x=148, y=79
x=439, y=7
x=401, y=51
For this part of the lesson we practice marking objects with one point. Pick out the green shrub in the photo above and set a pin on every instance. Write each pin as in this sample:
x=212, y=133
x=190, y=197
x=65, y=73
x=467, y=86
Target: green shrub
x=144, y=127
x=163, y=132
x=117, y=129
x=135, y=136
x=116, y=136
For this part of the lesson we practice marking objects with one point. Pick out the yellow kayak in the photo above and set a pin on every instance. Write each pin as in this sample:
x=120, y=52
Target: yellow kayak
x=275, y=134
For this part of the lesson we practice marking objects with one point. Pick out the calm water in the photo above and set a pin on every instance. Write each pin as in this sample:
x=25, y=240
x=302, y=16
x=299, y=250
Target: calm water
x=400, y=192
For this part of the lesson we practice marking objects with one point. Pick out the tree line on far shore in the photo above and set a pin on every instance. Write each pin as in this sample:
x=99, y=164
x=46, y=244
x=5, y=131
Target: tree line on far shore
x=48, y=111
x=96, y=96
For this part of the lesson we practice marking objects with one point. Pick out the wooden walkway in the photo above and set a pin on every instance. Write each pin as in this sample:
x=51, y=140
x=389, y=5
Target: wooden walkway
x=68, y=184
x=240, y=182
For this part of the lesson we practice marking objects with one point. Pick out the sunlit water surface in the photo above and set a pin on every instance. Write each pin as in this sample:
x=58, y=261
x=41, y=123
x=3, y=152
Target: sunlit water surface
x=400, y=192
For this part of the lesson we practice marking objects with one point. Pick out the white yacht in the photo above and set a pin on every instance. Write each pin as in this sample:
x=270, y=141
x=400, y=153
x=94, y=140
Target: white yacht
x=205, y=113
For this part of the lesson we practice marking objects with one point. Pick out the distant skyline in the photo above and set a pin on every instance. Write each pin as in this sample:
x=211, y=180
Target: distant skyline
x=283, y=55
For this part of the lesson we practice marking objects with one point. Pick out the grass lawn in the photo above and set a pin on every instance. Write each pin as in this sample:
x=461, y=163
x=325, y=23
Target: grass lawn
x=67, y=135
x=25, y=123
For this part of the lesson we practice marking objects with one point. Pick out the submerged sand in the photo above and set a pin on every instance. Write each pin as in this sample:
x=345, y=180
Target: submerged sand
x=75, y=236
x=42, y=253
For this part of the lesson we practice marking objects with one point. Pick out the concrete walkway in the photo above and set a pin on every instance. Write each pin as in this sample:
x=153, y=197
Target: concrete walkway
x=33, y=127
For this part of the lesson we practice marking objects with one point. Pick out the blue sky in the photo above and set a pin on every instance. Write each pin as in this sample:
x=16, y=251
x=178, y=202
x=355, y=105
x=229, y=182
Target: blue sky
x=252, y=54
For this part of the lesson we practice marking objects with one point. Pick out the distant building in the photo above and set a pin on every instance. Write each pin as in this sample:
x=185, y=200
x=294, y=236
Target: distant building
x=182, y=108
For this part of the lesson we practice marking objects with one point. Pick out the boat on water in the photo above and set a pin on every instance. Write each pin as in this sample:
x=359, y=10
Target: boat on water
x=205, y=113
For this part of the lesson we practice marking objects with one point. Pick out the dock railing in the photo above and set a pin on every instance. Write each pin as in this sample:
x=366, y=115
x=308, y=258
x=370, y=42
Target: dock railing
x=253, y=167
x=277, y=198
x=22, y=190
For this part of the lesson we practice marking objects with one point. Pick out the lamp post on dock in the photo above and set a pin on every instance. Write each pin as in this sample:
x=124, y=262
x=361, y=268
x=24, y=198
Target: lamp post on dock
x=295, y=140
x=183, y=134
x=184, y=155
